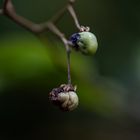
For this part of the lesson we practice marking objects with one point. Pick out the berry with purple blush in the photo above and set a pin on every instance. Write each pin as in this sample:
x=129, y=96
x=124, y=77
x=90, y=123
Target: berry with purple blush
x=84, y=42
x=74, y=38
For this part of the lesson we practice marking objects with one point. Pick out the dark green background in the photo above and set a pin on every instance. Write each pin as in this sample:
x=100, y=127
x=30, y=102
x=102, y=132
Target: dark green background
x=108, y=82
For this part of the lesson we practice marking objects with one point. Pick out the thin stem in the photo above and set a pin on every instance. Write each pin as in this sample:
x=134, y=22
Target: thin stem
x=56, y=31
x=9, y=11
x=68, y=64
x=58, y=15
x=73, y=14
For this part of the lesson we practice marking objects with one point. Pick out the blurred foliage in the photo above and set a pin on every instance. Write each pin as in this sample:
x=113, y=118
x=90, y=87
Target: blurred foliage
x=25, y=61
x=108, y=83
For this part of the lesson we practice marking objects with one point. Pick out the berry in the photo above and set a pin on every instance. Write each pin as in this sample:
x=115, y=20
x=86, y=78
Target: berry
x=64, y=97
x=85, y=42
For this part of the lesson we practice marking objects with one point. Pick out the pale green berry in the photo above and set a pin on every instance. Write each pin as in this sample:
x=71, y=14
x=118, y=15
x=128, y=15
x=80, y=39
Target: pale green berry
x=85, y=42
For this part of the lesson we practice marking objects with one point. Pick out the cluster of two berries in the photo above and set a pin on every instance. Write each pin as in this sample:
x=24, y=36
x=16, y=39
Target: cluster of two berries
x=65, y=96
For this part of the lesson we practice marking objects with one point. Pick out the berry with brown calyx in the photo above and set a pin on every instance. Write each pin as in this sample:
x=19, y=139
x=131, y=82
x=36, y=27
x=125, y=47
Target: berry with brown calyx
x=64, y=97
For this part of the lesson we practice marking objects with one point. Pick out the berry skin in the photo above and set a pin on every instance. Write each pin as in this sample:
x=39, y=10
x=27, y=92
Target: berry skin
x=85, y=42
x=64, y=97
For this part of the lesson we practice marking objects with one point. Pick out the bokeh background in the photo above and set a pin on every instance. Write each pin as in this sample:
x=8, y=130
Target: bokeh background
x=108, y=82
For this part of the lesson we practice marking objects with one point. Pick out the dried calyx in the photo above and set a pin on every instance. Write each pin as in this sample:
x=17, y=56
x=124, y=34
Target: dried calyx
x=64, y=97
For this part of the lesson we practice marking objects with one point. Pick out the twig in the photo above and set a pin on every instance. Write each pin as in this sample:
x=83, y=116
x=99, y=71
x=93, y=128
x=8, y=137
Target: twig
x=68, y=64
x=56, y=31
x=9, y=11
x=58, y=15
x=70, y=9
x=72, y=12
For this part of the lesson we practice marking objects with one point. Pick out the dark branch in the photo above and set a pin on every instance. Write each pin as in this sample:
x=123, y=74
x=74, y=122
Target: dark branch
x=9, y=11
